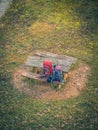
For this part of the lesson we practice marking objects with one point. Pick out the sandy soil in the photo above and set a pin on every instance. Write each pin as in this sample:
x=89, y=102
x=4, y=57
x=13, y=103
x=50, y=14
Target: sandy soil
x=77, y=80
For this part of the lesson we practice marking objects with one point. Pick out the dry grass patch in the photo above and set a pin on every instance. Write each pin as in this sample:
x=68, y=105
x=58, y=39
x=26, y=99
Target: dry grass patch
x=40, y=28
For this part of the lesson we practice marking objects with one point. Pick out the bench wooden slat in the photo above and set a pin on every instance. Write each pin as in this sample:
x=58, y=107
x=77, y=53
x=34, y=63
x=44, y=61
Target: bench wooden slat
x=52, y=55
x=32, y=76
x=41, y=59
x=36, y=77
x=38, y=62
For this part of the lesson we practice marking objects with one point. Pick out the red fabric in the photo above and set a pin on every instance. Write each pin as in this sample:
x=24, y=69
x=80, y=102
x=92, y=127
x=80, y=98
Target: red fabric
x=48, y=64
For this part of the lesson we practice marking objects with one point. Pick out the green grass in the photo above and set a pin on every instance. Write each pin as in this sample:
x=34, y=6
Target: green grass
x=63, y=27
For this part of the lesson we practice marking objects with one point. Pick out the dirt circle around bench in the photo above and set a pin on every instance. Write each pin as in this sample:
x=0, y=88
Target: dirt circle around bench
x=77, y=80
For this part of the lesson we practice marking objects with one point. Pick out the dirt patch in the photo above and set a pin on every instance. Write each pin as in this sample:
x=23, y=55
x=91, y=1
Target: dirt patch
x=76, y=82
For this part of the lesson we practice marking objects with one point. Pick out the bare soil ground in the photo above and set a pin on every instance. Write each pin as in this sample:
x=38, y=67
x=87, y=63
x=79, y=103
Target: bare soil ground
x=77, y=80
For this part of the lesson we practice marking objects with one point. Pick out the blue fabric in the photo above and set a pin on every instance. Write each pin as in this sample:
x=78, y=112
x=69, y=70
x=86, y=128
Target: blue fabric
x=57, y=76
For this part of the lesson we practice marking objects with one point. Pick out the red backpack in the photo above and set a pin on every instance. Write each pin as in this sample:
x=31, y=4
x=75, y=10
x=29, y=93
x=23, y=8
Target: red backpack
x=47, y=68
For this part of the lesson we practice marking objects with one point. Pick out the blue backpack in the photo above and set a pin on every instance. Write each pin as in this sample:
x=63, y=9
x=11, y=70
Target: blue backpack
x=57, y=74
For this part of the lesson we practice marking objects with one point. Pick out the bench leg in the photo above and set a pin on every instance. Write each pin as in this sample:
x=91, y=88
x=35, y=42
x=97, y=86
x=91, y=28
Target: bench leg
x=59, y=86
x=65, y=75
x=35, y=70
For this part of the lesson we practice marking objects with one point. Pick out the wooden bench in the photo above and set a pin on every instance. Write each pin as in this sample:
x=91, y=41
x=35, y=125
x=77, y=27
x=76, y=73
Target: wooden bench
x=36, y=63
